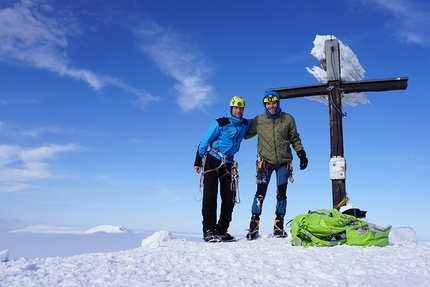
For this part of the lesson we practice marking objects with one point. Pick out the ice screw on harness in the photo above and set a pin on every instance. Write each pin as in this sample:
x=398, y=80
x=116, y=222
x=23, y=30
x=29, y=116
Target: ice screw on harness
x=202, y=177
x=234, y=186
x=262, y=170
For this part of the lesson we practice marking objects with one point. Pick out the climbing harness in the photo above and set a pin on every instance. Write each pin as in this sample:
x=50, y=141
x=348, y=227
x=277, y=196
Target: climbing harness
x=262, y=170
x=223, y=157
x=234, y=186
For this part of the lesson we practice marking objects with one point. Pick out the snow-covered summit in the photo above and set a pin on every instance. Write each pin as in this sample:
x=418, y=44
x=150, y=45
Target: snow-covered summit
x=164, y=260
x=107, y=229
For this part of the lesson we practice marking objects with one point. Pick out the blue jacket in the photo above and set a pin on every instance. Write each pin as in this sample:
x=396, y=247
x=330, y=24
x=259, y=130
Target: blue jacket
x=225, y=135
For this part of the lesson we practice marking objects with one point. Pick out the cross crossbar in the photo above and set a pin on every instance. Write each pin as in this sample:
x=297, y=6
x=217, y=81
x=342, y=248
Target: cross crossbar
x=400, y=83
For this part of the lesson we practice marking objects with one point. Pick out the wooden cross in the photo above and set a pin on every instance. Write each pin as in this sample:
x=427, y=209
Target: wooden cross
x=334, y=88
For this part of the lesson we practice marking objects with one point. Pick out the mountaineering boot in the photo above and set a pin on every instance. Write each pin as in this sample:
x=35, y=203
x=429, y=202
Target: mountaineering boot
x=226, y=237
x=222, y=234
x=209, y=236
x=253, y=227
x=278, y=229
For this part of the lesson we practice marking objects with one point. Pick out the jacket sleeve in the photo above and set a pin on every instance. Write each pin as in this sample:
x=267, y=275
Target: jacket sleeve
x=295, y=140
x=252, y=131
x=199, y=160
x=210, y=135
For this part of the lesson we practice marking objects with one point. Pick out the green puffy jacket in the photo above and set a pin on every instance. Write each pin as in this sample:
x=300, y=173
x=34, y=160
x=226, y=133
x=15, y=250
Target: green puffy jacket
x=275, y=137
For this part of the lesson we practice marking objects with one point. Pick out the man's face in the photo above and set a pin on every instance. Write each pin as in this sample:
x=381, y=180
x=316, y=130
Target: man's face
x=272, y=107
x=237, y=112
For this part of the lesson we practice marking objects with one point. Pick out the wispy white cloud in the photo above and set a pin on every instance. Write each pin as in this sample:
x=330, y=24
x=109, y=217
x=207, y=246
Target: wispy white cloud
x=164, y=192
x=19, y=166
x=103, y=176
x=412, y=20
x=51, y=229
x=176, y=57
x=34, y=133
x=12, y=130
x=33, y=34
x=28, y=37
x=143, y=98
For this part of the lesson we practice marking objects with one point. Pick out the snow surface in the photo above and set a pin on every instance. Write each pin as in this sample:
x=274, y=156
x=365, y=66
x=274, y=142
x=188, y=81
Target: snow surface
x=164, y=258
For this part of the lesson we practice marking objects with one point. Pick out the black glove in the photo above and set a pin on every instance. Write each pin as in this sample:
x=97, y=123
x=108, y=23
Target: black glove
x=303, y=159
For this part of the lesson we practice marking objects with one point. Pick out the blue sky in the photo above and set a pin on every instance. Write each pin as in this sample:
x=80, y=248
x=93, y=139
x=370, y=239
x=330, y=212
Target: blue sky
x=103, y=104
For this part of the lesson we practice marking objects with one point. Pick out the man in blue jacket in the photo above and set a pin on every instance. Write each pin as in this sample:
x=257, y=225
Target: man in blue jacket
x=215, y=158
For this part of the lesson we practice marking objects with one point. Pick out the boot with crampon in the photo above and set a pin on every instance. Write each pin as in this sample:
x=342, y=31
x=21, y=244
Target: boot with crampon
x=253, y=227
x=278, y=228
x=222, y=233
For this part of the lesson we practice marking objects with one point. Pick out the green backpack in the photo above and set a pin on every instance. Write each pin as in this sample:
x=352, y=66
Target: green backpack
x=325, y=227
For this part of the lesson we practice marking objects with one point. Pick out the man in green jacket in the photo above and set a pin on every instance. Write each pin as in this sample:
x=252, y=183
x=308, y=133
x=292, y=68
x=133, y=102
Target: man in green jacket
x=277, y=132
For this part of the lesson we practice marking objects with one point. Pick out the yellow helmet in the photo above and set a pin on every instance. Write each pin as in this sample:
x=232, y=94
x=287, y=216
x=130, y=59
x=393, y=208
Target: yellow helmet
x=237, y=101
x=270, y=96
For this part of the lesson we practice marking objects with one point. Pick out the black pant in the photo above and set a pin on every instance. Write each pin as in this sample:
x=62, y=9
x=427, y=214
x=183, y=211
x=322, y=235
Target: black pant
x=216, y=171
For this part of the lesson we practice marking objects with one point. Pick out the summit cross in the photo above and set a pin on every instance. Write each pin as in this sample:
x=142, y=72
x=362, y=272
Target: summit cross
x=334, y=89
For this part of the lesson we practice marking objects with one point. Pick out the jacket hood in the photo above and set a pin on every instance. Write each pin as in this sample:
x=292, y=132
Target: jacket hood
x=278, y=110
x=233, y=119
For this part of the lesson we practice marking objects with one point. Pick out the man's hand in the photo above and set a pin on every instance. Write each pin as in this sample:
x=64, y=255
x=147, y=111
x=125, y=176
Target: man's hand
x=303, y=159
